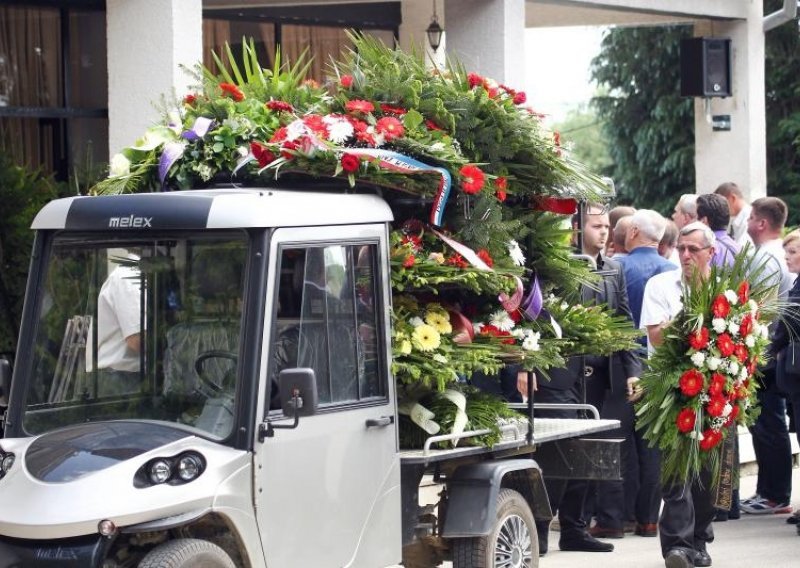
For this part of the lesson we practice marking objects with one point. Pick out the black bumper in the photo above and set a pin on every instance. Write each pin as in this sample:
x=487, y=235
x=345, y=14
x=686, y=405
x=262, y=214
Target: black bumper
x=79, y=552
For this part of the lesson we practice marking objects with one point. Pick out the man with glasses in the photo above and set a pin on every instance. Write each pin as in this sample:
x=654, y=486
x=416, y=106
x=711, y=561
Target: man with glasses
x=685, y=522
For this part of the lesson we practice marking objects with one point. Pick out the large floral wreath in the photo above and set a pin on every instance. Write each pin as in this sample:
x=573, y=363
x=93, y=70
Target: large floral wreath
x=701, y=382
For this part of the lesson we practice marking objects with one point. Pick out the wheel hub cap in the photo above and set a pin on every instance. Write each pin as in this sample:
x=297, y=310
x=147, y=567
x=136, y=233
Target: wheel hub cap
x=513, y=546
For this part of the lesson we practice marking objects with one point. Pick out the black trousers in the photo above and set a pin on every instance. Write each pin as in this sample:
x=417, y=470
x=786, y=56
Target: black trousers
x=686, y=519
x=772, y=445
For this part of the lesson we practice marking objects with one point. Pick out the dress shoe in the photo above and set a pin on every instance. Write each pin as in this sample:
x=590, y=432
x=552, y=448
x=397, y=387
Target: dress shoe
x=629, y=526
x=677, y=558
x=702, y=558
x=602, y=532
x=646, y=529
x=585, y=543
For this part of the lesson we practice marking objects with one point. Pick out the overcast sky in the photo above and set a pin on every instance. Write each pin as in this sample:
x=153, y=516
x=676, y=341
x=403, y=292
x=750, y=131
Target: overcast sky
x=557, y=75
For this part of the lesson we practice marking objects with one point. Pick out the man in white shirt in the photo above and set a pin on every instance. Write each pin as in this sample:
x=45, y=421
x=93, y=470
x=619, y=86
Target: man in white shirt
x=770, y=435
x=740, y=211
x=685, y=522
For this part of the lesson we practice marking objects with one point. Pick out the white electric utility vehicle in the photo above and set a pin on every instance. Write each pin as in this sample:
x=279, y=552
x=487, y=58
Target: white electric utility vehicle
x=254, y=422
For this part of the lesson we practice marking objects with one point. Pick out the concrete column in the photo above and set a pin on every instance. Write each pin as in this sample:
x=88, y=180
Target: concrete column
x=488, y=36
x=739, y=155
x=147, y=42
x=416, y=16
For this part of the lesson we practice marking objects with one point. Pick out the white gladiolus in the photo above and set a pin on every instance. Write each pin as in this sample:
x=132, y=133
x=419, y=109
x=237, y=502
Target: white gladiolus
x=719, y=325
x=698, y=359
x=733, y=299
x=713, y=363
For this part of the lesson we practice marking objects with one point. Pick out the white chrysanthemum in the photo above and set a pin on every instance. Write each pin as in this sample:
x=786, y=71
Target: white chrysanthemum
x=750, y=340
x=516, y=253
x=339, y=129
x=416, y=321
x=519, y=333
x=719, y=325
x=733, y=327
x=531, y=342
x=119, y=166
x=733, y=299
x=295, y=130
x=743, y=374
x=713, y=363
x=733, y=367
x=501, y=320
x=698, y=359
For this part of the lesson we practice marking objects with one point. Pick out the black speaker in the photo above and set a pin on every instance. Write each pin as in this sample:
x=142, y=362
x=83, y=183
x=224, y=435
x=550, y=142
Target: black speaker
x=705, y=67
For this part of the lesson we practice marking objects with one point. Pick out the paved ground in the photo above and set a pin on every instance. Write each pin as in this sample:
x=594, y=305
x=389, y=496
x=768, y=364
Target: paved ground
x=750, y=542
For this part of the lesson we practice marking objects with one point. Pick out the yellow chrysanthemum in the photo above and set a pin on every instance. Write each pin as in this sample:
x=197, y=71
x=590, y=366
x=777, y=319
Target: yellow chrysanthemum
x=439, y=320
x=426, y=338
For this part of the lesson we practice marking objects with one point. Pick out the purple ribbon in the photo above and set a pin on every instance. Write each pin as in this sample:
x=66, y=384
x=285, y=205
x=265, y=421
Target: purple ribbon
x=200, y=129
x=171, y=154
x=532, y=303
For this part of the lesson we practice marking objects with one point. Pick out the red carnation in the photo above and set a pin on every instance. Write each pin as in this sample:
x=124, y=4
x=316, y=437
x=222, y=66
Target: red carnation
x=710, y=439
x=474, y=80
x=691, y=382
x=740, y=351
x=389, y=109
x=686, y=419
x=279, y=106
x=484, y=255
x=746, y=326
x=350, y=163
x=716, y=405
x=720, y=307
x=520, y=98
x=232, y=91
x=744, y=292
x=261, y=153
x=699, y=340
x=501, y=183
x=409, y=261
x=725, y=344
x=346, y=81
x=189, y=99
x=390, y=127
x=472, y=179
x=456, y=260
x=717, y=384
x=359, y=105
x=501, y=195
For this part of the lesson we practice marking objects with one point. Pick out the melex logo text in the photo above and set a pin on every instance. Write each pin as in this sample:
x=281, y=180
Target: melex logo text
x=130, y=222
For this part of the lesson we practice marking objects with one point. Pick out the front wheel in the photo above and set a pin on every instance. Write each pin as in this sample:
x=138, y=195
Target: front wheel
x=511, y=544
x=187, y=553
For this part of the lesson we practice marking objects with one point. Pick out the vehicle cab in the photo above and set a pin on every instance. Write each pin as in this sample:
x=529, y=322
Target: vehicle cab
x=148, y=415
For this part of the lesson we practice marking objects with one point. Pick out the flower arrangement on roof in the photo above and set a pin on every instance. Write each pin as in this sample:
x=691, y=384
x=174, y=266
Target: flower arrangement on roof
x=701, y=382
x=478, y=186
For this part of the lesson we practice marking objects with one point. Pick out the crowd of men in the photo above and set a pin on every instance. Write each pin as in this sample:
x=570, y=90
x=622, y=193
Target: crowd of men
x=643, y=258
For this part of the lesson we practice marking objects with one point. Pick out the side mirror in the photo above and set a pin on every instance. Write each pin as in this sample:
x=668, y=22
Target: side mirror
x=5, y=381
x=298, y=389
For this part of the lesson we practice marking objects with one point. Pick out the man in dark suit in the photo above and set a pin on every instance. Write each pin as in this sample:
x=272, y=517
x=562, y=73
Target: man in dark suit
x=591, y=379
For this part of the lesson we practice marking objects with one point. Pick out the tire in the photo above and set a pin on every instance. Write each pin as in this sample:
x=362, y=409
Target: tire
x=511, y=544
x=187, y=553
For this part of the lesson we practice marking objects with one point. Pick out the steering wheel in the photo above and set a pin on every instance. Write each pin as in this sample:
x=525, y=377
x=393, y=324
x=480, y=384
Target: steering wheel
x=199, y=369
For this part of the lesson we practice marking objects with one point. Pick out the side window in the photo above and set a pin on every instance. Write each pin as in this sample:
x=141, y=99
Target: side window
x=326, y=320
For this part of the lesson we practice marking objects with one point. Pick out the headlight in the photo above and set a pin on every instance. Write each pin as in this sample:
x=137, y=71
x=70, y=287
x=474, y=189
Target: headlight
x=6, y=461
x=175, y=470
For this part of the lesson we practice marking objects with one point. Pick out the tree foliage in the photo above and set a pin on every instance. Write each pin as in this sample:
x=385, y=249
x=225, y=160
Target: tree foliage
x=650, y=127
x=582, y=132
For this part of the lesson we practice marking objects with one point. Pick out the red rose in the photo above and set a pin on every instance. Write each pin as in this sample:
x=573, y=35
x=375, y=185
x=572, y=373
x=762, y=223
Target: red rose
x=279, y=106
x=232, y=91
x=691, y=382
x=474, y=80
x=350, y=163
x=189, y=99
x=390, y=127
x=262, y=155
x=744, y=292
x=725, y=344
x=699, y=339
x=409, y=261
x=472, y=179
x=717, y=384
x=483, y=254
x=720, y=307
x=746, y=326
x=359, y=105
x=346, y=81
x=389, y=109
x=716, y=405
x=740, y=351
x=520, y=98
x=686, y=419
x=710, y=439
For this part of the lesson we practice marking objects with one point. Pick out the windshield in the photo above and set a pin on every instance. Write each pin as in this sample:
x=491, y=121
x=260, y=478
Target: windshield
x=139, y=329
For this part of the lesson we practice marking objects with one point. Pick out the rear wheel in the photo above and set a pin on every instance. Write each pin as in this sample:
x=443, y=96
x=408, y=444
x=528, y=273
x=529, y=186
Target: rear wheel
x=511, y=544
x=187, y=553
